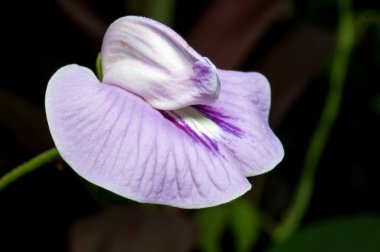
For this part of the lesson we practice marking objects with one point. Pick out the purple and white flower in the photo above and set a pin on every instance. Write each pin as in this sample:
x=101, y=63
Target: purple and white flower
x=165, y=125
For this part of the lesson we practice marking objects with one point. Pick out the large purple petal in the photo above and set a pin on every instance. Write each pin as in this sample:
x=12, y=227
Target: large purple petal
x=118, y=141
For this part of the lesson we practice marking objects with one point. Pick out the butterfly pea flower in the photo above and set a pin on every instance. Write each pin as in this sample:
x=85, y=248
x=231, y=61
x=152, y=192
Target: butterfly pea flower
x=164, y=125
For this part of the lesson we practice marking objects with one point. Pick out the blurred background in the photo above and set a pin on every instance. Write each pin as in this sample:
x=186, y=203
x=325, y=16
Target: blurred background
x=322, y=59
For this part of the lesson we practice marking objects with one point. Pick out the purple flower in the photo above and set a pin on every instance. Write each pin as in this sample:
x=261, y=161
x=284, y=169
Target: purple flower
x=165, y=125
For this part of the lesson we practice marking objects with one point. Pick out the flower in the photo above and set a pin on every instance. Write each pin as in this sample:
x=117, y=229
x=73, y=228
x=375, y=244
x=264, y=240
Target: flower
x=165, y=125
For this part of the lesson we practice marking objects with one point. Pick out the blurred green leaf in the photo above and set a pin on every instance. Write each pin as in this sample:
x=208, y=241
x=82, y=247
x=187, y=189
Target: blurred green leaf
x=245, y=225
x=212, y=222
x=239, y=215
x=356, y=233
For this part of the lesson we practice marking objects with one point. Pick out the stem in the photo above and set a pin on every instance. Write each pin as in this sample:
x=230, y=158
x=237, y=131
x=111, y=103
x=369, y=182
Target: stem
x=305, y=187
x=28, y=166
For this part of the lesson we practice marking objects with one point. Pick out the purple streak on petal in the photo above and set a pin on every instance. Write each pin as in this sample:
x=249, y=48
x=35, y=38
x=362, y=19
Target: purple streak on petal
x=220, y=119
x=181, y=124
x=213, y=143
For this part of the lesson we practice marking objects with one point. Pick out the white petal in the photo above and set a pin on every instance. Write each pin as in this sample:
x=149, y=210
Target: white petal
x=152, y=61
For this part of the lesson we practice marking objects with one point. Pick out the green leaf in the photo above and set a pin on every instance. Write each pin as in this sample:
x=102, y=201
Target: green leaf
x=240, y=216
x=245, y=225
x=356, y=233
x=212, y=222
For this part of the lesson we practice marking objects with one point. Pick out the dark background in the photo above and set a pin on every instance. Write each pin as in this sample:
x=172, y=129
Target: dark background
x=294, y=49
